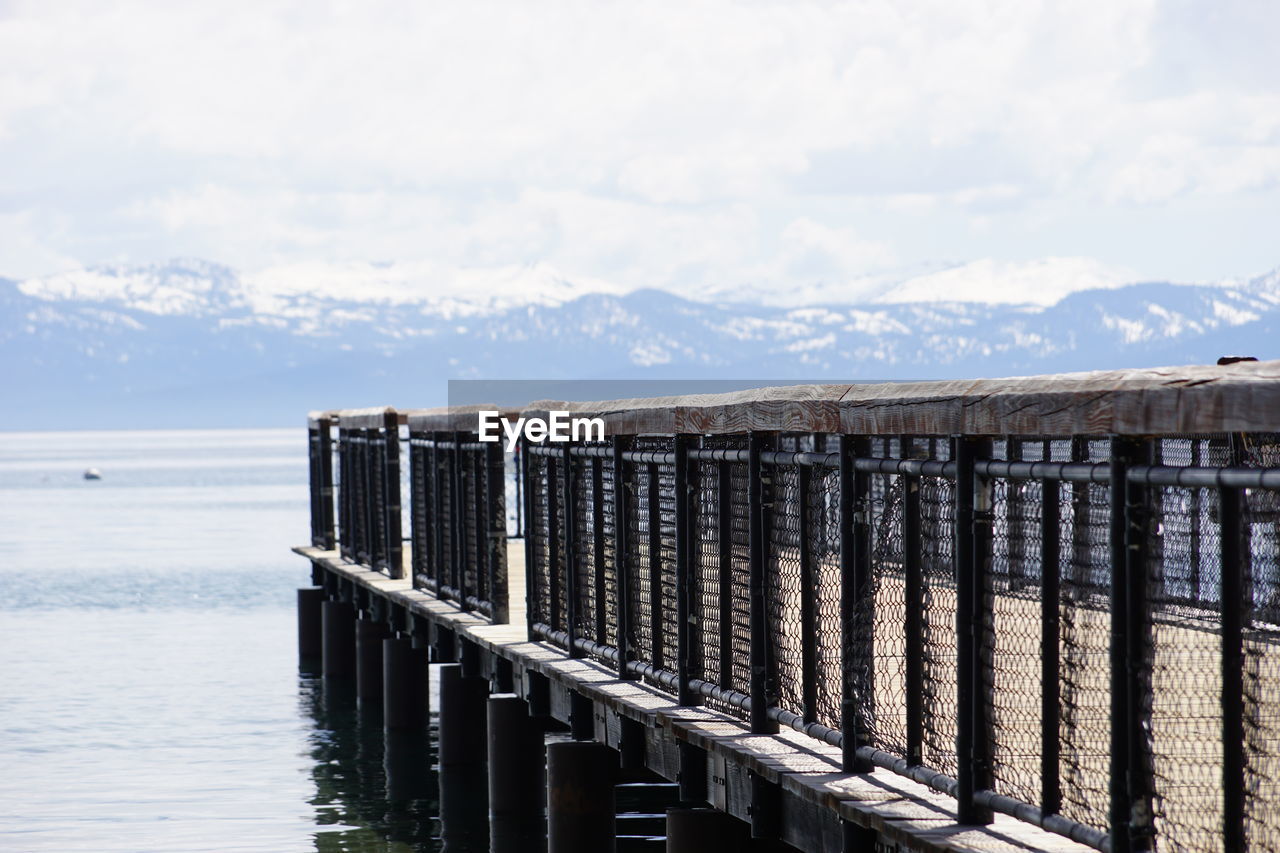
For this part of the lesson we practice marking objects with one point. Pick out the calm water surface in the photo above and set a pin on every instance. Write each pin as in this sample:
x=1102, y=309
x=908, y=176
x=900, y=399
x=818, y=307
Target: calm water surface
x=149, y=693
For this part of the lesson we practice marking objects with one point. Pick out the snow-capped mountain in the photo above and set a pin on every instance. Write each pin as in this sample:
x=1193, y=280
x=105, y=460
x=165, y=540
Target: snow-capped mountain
x=191, y=343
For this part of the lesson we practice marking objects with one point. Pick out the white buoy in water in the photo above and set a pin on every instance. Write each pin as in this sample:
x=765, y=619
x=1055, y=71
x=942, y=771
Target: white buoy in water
x=92, y=474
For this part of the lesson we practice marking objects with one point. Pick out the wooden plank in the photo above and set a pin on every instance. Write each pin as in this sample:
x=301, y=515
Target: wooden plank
x=1241, y=397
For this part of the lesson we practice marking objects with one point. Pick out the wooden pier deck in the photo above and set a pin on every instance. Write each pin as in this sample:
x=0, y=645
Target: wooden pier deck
x=816, y=796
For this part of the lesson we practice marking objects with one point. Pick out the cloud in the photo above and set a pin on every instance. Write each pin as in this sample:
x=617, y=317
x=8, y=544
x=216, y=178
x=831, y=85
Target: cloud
x=669, y=143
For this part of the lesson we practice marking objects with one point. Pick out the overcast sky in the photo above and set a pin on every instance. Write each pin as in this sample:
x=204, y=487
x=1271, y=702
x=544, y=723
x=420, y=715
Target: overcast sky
x=681, y=144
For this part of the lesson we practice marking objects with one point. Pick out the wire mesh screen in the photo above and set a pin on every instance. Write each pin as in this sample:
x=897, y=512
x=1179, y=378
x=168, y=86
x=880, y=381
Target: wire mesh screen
x=720, y=606
x=539, y=541
x=886, y=607
x=606, y=550
x=1260, y=571
x=784, y=588
x=582, y=562
x=1184, y=661
x=1261, y=641
x=710, y=573
x=937, y=562
x=641, y=555
x=422, y=511
x=1015, y=593
x=823, y=535
x=1085, y=620
x=469, y=551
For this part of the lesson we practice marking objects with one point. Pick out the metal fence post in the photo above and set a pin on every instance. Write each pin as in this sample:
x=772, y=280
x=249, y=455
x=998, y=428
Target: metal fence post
x=1236, y=607
x=458, y=537
x=621, y=552
x=394, y=500
x=808, y=604
x=530, y=570
x=571, y=556
x=1132, y=826
x=1050, y=644
x=760, y=646
x=972, y=563
x=684, y=559
x=913, y=612
x=856, y=641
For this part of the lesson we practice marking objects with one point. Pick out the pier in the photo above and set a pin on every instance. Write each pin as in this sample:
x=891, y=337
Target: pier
x=1021, y=614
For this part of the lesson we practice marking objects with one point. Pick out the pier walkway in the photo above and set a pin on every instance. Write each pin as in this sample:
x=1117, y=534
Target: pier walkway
x=1035, y=614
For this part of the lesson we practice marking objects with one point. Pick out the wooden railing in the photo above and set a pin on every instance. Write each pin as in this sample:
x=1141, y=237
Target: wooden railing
x=1054, y=597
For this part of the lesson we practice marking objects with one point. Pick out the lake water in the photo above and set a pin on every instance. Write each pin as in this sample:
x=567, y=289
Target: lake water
x=150, y=698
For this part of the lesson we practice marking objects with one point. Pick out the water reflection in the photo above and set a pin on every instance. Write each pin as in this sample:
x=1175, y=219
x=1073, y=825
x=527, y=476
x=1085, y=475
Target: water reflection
x=376, y=791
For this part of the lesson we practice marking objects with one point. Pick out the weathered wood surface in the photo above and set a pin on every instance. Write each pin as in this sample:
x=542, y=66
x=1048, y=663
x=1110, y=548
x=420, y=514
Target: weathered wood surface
x=370, y=418
x=816, y=794
x=453, y=418
x=1241, y=397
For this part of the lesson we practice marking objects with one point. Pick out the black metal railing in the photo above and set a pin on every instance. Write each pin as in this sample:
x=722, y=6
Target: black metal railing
x=320, y=457
x=1079, y=632
x=459, y=520
x=369, y=489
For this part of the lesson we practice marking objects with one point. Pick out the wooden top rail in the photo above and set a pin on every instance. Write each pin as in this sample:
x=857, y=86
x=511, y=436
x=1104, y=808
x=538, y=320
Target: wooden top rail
x=1240, y=397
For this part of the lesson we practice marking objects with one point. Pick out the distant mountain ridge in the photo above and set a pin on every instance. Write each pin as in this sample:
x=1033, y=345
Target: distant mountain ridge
x=192, y=343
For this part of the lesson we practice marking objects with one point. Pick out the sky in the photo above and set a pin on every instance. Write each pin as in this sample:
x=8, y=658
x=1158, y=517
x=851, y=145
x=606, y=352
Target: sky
x=695, y=146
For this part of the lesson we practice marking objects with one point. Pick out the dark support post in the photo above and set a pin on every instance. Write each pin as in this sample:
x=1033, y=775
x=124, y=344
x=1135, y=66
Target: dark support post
x=621, y=554
x=913, y=583
x=808, y=605
x=445, y=648
x=855, y=603
x=310, y=633
x=631, y=744
x=766, y=808
x=1235, y=613
x=685, y=589
x=463, y=721
x=759, y=650
x=404, y=685
x=582, y=724
x=693, y=773
x=971, y=565
x=580, y=797
x=1131, y=782
x=369, y=636
x=701, y=830
x=857, y=839
x=1050, y=645
x=572, y=559
x=339, y=654
x=469, y=657
x=517, y=774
